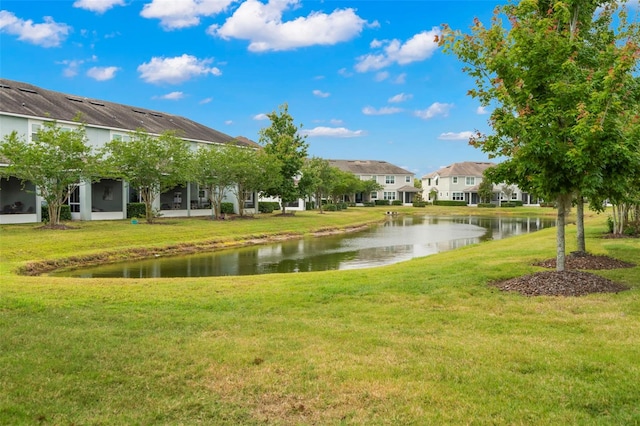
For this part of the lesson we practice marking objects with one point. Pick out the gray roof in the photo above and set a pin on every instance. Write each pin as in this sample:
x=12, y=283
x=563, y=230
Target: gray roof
x=466, y=168
x=368, y=167
x=25, y=99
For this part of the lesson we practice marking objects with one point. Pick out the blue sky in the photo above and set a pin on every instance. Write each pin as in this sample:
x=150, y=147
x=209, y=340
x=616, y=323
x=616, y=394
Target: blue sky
x=364, y=78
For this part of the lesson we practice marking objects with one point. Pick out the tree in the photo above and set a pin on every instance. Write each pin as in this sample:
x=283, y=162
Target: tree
x=557, y=79
x=252, y=171
x=56, y=162
x=345, y=183
x=318, y=179
x=485, y=190
x=211, y=168
x=282, y=140
x=507, y=191
x=150, y=164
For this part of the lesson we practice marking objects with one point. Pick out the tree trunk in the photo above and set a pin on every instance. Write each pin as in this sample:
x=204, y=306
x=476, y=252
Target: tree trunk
x=560, y=237
x=582, y=247
x=145, y=194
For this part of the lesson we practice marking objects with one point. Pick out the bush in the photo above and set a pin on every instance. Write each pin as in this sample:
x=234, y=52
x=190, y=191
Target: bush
x=508, y=204
x=135, y=210
x=396, y=203
x=351, y=204
x=268, y=206
x=369, y=204
x=518, y=203
x=382, y=202
x=65, y=213
x=419, y=204
x=310, y=205
x=487, y=205
x=226, y=208
x=449, y=203
x=343, y=206
x=547, y=205
x=330, y=208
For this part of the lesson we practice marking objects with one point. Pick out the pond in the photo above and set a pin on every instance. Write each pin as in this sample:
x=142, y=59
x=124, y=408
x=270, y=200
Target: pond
x=396, y=240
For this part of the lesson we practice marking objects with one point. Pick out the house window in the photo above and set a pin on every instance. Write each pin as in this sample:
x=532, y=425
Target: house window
x=454, y=179
x=120, y=137
x=391, y=195
x=374, y=195
x=389, y=180
x=74, y=200
x=248, y=200
x=457, y=196
x=407, y=179
x=365, y=177
x=514, y=196
x=470, y=180
x=437, y=181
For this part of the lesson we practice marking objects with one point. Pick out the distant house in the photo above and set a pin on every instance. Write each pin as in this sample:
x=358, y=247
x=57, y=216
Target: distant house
x=25, y=107
x=397, y=182
x=461, y=181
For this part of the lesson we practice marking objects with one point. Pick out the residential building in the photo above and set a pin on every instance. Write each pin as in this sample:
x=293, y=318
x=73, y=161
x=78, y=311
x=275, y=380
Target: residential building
x=397, y=182
x=461, y=181
x=25, y=107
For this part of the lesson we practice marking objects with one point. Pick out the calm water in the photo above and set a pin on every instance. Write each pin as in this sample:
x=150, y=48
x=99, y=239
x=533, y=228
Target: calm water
x=396, y=240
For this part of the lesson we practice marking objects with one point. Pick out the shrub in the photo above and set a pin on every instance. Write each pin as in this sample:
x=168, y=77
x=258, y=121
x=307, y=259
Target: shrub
x=396, y=203
x=518, y=203
x=226, y=208
x=382, y=202
x=330, y=208
x=351, y=204
x=369, y=204
x=310, y=205
x=449, y=203
x=268, y=206
x=508, y=204
x=65, y=213
x=135, y=210
x=547, y=204
x=343, y=206
x=487, y=205
x=419, y=204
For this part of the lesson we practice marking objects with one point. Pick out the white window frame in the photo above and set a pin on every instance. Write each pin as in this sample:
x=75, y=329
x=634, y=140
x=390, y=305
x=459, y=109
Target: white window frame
x=457, y=196
x=454, y=179
x=389, y=180
x=407, y=179
x=470, y=180
x=374, y=195
x=390, y=195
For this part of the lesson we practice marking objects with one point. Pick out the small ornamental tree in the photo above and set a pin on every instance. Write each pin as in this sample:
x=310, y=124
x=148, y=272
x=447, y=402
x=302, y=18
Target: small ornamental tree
x=282, y=141
x=150, y=164
x=56, y=162
x=317, y=180
x=485, y=190
x=211, y=169
x=557, y=76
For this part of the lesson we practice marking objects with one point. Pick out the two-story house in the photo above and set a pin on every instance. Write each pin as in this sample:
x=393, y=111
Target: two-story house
x=397, y=182
x=461, y=181
x=25, y=107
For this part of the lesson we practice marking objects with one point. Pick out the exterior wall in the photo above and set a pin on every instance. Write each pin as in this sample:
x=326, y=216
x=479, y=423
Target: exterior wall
x=399, y=182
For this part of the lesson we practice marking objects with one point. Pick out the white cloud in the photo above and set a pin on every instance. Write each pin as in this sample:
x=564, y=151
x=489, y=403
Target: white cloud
x=418, y=48
x=263, y=26
x=176, y=14
x=102, y=73
x=434, y=110
x=321, y=94
x=228, y=122
x=401, y=79
x=173, y=96
x=344, y=72
x=336, y=122
x=175, y=70
x=381, y=76
x=47, y=34
x=98, y=6
x=205, y=101
x=451, y=136
x=400, y=97
x=368, y=110
x=72, y=66
x=481, y=110
x=333, y=132
x=260, y=116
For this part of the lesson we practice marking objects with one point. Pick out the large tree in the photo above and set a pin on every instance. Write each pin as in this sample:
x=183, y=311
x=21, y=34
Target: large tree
x=318, y=178
x=556, y=76
x=283, y=141
x=150, y=164
x=56, y=161
x=211, y=169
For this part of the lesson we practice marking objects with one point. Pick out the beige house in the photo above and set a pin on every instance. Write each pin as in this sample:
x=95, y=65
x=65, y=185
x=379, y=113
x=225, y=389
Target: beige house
x=25, y=107
x=461, y=181
x=397, y=182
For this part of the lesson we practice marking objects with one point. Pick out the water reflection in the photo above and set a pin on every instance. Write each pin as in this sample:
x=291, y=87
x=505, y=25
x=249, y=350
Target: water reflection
x=396, y=240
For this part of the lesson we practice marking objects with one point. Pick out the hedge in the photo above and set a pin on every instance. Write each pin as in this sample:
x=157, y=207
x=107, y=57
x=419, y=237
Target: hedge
x=330, y=207
x=396, y=203
x=135, y=210
x=65, y=213
x=268, y=206
x=382, y=202
x=508, y=204
x=487, y=205
x=449, y=203
x=368, y=204
x=226, y=208
x=419, y=204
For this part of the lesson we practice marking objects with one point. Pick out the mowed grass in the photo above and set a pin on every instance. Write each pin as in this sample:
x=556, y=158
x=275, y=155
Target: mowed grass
x=421, y=342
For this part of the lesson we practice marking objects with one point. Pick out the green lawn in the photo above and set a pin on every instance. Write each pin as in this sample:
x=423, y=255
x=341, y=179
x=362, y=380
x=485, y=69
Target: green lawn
x=420, y=342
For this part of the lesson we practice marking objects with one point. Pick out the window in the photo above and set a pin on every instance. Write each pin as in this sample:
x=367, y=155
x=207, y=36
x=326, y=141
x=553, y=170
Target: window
x=514, y=196
x=457, y=196
x=374, y=195
x=470, y=180
x=120, y=137
x=74, y=200
x=248, y=199
x=407, y=179
x=454, y=179
x=437, y=182
x=363, y=177
x=389, y=179
x=390, y=195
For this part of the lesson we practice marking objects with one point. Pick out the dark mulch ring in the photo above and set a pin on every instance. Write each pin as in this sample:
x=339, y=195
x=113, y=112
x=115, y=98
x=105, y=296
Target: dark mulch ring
x=569, y=282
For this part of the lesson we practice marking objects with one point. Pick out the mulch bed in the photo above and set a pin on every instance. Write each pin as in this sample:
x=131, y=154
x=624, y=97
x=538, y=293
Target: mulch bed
x=569, y=282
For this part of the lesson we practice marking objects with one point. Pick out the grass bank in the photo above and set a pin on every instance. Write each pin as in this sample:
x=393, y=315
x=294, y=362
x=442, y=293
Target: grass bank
x=421, y=342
